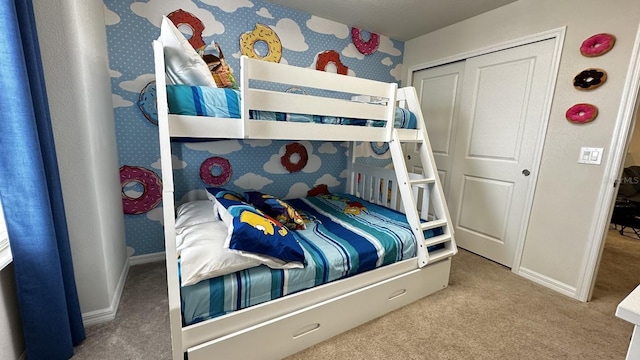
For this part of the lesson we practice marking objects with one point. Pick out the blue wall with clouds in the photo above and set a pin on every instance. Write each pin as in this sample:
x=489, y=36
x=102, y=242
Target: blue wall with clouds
x=131, y=27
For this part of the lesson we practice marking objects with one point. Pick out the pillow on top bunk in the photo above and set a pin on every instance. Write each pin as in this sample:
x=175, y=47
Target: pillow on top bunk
x=254, y=234
x=277, y=209
x=183, y=65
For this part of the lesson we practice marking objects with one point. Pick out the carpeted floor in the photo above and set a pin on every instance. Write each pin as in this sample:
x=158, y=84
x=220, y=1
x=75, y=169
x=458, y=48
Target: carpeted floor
x=487, y=312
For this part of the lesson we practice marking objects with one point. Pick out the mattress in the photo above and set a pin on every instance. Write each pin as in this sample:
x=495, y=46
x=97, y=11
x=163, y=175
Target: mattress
x=344, y=236
x=225, y=103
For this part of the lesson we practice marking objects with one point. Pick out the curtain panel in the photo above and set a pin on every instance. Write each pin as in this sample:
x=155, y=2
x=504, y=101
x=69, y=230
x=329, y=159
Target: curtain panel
x=31, y=196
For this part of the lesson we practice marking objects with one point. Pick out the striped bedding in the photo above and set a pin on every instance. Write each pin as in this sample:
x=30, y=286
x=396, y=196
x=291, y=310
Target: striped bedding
x=336, y=243
x=225, y=103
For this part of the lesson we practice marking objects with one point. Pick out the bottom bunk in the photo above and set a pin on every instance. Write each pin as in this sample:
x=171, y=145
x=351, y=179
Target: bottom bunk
x=359, y=263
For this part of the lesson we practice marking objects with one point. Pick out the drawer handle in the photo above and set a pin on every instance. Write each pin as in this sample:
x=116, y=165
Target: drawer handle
x=306, y=330
x=397, y=293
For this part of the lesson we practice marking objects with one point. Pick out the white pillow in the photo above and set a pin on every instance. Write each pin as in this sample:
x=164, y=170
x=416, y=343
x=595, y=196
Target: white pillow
x=193, y=213
x=203, y=256
x=183, y=65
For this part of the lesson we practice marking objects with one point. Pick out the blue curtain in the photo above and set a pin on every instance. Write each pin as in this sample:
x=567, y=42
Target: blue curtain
x=30, y=193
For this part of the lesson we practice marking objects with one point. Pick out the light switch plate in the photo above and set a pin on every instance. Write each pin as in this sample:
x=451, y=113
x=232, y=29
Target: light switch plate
x=590, y=155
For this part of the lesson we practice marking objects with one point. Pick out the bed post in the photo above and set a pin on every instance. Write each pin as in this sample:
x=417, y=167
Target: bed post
x=173, y=285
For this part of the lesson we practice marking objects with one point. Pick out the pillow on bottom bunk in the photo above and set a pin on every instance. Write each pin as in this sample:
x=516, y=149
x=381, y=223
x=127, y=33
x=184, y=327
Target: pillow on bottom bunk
x=253, y=234
x=203, y=256
x=192, y=213
x=277, y=209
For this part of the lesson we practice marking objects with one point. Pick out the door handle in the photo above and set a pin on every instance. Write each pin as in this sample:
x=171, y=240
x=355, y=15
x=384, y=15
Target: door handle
x=526, y=172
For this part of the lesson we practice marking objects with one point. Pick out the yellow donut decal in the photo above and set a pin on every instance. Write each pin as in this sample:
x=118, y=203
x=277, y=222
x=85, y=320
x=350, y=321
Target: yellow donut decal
x=261, y=33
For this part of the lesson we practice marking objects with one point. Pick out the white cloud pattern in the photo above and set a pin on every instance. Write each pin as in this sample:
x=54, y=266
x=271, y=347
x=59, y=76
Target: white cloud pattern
x=120, y=102
x=155, y=9
x=290, y=35
x=138, y=84
x=252, y=181
x=216, y=147
x=329, y=27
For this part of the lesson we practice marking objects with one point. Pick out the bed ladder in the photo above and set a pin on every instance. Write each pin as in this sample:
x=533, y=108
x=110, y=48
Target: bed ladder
x=423, y=197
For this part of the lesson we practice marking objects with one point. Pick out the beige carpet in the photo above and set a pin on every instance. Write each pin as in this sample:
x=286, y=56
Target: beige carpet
x=487, y=312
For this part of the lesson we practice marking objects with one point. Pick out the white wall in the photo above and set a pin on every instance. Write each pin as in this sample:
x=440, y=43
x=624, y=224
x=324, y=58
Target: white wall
x=11, y=341
x=72, y=37
x=566, y=194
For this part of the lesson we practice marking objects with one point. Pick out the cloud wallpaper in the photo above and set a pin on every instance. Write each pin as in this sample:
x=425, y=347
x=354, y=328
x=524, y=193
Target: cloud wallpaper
x=253, y=164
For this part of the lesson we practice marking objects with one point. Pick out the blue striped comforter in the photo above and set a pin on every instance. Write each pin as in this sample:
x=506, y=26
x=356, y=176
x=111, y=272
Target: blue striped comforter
x=336, y=245
x=225, y=103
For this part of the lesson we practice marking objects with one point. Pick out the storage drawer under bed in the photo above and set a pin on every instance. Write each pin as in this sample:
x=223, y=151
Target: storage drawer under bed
x=290, y=333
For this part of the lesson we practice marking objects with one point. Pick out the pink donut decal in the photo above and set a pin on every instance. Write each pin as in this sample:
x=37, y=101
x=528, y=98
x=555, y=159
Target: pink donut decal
x=365, y=47
x=151, y=195
x=215, y=162
x=597, y=45
x=581, y=113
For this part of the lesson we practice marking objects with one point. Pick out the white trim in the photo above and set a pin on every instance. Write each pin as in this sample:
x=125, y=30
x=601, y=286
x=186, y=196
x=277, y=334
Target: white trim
x=146, y=258
x=108, y=314
x=545, y=35
x=6, y=257
x=5, y=250
x=558, y=35
x=613, y=165
x=548, y=282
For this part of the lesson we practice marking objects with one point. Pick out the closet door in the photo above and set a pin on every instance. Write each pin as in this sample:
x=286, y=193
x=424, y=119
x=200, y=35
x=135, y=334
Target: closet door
x=439, y=90
x=497, y=141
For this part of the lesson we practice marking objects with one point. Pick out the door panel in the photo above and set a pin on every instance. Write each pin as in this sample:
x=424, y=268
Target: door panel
x=439, y=90
x=501, y=114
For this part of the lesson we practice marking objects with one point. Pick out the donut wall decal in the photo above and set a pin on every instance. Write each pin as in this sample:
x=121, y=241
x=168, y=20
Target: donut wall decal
x=181, y=17
x=291, y=150
x=263, y=33
x=331, y=57
x=365, y=47
x=581, y=113
x=598, y=44
x=147, y=103
x=259, y=29
x=151, y=189
x=589, y=79
x=221, y=166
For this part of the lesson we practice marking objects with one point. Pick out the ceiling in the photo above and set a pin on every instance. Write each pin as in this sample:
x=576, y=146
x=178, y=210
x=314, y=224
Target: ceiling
x=399, y=19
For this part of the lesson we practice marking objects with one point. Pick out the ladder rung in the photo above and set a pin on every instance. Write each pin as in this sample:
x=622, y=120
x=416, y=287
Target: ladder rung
x=433, y=224
x=437, y=240
x=441, y=254
x=422, y=181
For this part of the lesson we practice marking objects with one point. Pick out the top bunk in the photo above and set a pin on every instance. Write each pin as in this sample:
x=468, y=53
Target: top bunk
x=265, y=88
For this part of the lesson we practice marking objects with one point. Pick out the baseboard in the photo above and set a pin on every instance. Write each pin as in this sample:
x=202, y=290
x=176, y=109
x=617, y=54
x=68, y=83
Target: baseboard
x=108, y=314
x=146, y=258
x=547, y=282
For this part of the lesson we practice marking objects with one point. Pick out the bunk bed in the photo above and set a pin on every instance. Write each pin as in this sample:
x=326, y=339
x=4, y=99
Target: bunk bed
x=287, y=324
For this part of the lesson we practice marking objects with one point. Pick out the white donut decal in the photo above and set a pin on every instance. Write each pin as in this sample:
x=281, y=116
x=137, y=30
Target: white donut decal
x=151, y=194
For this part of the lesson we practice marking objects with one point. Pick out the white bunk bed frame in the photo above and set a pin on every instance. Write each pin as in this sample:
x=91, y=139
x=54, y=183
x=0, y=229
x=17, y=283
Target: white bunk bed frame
x=286, y=325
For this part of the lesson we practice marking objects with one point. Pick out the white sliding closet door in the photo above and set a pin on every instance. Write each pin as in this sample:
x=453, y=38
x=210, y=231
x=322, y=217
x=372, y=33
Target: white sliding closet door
x=484, y=117
x=439, y=91
x=499, y=128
